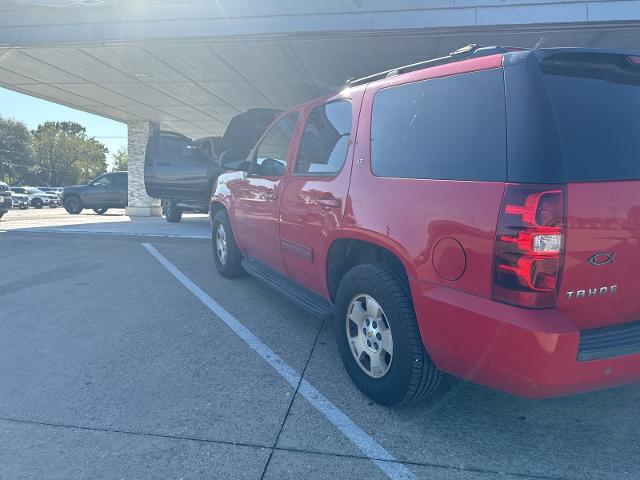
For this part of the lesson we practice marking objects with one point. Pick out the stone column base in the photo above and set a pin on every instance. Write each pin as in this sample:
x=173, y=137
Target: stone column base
x=144, y=211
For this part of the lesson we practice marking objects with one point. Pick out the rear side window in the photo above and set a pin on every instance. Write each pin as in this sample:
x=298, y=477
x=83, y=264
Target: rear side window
x=443, y=128
x=325, y=139
x=120, y=179
x=167, y=144
x=596, y=99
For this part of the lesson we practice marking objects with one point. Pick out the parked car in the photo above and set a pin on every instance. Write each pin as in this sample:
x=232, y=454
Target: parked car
x=5, y=199
x=18, y=200
x=444, y=241
x=38, y=198
x=107, y=191
x=55, y=190
x=182, y=172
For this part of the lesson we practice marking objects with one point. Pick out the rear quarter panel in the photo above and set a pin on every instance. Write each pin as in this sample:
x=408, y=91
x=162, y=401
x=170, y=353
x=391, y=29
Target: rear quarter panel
x=411, y=216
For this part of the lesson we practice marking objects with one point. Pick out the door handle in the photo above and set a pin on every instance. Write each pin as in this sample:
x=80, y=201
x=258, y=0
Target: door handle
x=328, y=203
x=272, y=194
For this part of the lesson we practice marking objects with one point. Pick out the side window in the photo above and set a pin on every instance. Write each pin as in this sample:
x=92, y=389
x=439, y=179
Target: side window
x=103, y=181
x=325, y=140
x=120, y=179
x=205, y=146
x=271, y=155
x=450, y=128
x=170, y=145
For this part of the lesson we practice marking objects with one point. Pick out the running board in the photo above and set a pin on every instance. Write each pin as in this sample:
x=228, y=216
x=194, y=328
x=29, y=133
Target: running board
x=293, y=291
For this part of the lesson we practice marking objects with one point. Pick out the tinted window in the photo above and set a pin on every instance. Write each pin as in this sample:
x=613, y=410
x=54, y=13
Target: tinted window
x=596, y=98
x=205, y=146
x=170, y=145
x=443, y=128
x=271, y=156
x=103, y=181
x=120, y=179
x=325, y=139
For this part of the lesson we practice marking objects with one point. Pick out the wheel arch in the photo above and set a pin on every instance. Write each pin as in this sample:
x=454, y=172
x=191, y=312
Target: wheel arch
x=214, y=207
x=350, y=251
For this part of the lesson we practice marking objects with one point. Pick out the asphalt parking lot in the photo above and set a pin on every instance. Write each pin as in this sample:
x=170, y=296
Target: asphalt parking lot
x=113, y=368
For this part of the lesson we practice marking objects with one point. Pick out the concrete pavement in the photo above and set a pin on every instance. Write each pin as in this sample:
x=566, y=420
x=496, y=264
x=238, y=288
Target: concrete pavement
x=112, y=369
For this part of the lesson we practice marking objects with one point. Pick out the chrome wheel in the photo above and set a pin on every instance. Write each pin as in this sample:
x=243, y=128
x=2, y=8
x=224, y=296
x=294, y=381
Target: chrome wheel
x=221, y=244
x=369, y=335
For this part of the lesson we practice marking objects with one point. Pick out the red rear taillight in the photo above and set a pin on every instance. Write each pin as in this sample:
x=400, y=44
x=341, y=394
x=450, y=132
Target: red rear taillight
x=529, y=246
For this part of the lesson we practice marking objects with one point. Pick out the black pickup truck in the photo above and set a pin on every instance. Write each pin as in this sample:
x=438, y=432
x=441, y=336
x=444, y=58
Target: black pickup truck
x=182, y=172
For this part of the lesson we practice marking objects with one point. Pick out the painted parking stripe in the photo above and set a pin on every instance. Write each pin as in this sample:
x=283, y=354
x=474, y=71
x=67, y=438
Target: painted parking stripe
x=363, y=441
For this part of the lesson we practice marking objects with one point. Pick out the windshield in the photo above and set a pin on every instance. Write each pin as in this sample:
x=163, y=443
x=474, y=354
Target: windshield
x=34, y=190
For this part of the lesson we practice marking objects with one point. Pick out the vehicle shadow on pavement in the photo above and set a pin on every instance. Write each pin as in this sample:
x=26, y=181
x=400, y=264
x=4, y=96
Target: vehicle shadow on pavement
x=467, y=426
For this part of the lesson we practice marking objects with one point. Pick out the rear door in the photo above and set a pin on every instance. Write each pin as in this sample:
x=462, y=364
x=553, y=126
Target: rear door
x=175, y=167
x=314, y=195
x=595, y=99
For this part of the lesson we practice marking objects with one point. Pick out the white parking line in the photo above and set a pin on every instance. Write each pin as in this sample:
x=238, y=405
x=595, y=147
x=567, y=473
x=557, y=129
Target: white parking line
x=365, y=443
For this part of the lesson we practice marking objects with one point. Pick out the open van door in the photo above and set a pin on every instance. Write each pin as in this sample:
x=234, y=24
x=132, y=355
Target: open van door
x=175, y=167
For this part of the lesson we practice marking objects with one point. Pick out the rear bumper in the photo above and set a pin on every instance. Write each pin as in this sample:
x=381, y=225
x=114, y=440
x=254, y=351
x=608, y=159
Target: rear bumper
x=530, y=353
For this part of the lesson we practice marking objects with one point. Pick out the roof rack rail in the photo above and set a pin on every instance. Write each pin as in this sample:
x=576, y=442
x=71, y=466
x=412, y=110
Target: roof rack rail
x=468, y=51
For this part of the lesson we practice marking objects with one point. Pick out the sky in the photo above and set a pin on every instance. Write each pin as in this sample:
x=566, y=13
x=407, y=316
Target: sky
x=34, y=111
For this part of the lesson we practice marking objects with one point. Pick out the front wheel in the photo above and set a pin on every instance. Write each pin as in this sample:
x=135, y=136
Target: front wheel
x=37, y=203
x=100, y=211
x=226, y=254
x=378, y=337
x=172, y=213
x=2, y=214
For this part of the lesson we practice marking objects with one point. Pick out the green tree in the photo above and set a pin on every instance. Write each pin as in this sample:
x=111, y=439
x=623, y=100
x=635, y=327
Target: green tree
x=120, y=160
x=64, y=155
x=16, y=160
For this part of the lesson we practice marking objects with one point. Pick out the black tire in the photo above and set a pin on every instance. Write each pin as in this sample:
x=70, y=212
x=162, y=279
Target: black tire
x=100, y=211
x=230, y=266
x=2, y=214
x=411, y=376
x=73, y=205
x=37, y=203
x=172, y=213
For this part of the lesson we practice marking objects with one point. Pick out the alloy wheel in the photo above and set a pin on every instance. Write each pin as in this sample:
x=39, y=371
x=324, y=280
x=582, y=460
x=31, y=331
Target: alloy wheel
x=221, y=244
x=369, y=336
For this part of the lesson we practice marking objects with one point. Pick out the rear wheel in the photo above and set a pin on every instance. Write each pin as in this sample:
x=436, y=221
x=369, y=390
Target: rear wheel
x=72, y=205
x=378, y=337
x=100, y=211
x=37, y=203
x=226, y=254
x=2, y=214
x=172, y=213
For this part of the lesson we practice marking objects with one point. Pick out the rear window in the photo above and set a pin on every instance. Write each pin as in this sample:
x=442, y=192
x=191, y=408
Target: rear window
x=443, y=128
x=596, y=99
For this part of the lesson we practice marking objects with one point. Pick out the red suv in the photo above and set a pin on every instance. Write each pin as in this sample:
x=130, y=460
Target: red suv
x=477, y=215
